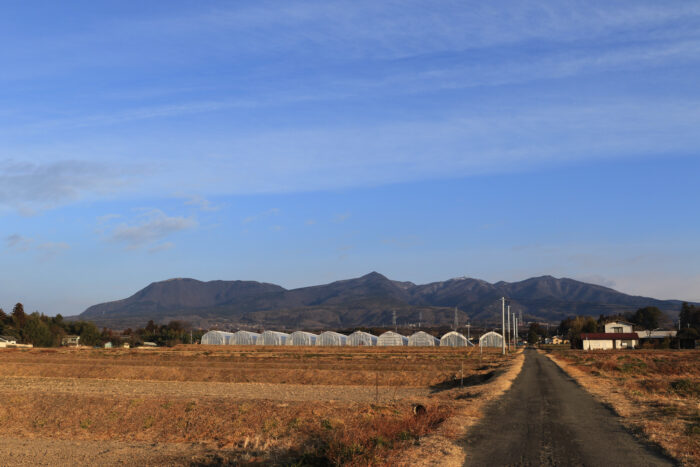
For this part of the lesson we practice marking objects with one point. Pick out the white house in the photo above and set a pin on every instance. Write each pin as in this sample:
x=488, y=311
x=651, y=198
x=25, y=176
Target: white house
x=609, y=340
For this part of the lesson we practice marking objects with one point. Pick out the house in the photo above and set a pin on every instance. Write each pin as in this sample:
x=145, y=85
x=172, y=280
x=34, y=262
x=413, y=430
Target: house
x=125, y=345
x=618, y=327
x=558, y=340
x=71, y=341
x=609, y=340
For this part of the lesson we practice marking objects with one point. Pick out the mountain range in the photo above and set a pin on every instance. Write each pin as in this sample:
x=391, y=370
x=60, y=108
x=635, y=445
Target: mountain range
x=370, y=300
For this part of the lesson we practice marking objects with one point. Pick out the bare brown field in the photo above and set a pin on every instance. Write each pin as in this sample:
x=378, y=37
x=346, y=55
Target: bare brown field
x=208, y=404
x=657, y=392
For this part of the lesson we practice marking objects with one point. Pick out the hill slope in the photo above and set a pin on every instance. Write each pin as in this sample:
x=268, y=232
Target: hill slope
x=369, y=300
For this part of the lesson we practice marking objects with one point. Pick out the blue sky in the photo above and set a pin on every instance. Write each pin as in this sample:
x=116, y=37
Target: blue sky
x=304, y=142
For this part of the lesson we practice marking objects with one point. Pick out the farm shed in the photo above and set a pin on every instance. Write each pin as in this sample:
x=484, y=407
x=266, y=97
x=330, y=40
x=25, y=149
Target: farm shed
x=302, y=338
x=453, y=339
x=216, y=338
x=491, y=339
x=423, y=339
x=361, y=338
x=331, y=338
x=244, y=338
x=272, y=338
x=390, y=338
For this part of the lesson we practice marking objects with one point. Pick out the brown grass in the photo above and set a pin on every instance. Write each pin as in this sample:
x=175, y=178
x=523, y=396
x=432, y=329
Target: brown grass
x=657, y=392
x=102, y=398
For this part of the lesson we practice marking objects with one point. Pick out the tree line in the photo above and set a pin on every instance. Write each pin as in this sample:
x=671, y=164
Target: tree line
x=48, y=331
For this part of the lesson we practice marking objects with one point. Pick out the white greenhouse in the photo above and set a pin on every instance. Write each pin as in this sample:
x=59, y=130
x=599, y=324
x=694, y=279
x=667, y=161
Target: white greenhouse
x=361, y=338
x=272, y=338
x=390, y=338
x=453, y=339
x=491, y=339
x=302, y=338
x=244, y=338
x=423, y=339
x=331, y=338
x=216, y=338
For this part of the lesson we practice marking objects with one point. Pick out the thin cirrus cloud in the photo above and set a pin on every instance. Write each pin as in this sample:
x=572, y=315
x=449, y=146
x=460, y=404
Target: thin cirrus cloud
x=18, y=242
x=148, y=230
x=45, y=250
x=30, y=187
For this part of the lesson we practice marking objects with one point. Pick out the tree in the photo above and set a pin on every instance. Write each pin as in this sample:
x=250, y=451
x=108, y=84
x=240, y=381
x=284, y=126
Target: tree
x=37, y=332
x=689, y=316
x=647, y=317
x=18, y=316
x=578, y=325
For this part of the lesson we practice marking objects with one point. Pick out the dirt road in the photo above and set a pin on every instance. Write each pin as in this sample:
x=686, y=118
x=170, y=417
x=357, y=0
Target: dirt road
x=547, y=419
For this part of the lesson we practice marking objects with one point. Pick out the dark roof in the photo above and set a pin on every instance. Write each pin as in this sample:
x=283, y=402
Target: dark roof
x=602, y=336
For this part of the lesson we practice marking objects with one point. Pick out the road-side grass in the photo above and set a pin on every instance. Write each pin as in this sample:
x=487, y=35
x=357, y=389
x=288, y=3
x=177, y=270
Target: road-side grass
x=657, y=391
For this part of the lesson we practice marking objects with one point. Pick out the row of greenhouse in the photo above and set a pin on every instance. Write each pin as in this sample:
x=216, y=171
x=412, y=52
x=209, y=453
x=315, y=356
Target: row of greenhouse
x=357, y=338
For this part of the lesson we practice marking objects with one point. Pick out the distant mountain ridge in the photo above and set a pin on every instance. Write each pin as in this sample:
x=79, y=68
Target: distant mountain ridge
x=369, y=300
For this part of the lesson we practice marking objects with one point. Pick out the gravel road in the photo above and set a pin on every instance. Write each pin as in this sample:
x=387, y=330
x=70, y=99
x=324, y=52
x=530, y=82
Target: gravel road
x=546, y=419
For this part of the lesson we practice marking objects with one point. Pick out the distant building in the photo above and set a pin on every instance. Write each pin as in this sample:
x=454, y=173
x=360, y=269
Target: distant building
x=656, y=334
x=7, y=340
x=609, y=340
x=70, y=341
x=108, y=345
x=149, y=344
x=126, y=345
x=559, y=340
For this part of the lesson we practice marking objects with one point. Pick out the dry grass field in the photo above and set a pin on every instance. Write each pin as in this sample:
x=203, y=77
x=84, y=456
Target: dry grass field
x=208, y=405
x=657, y=392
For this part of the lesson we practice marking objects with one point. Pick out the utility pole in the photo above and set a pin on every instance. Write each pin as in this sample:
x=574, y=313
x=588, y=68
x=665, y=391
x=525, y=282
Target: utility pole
x=503, y=325
x=420, y=319
x=508, y=327
x=456, y=324
x=468, y=326
x=394, y=320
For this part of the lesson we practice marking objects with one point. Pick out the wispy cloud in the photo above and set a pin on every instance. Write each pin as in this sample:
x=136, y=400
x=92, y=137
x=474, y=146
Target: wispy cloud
x=202, y=203
x=18, y=242
x=260, y=216
x=45, y=250
x=29, y=187
x=50, y=249
x=149, y=228
x=342, y=217
x=161, y=247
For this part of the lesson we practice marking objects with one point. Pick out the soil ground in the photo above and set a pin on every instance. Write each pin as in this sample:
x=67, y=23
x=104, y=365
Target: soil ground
x=204, y=405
